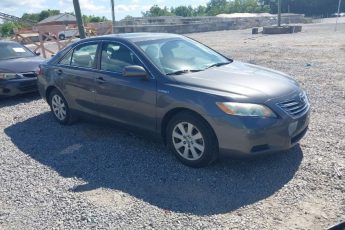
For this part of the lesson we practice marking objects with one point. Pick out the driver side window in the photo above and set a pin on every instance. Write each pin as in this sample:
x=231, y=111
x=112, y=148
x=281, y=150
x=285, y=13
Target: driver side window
x=115, y=57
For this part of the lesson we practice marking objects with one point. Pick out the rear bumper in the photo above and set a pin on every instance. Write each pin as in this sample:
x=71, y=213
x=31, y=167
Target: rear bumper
x=239, y=136
x=17, y=86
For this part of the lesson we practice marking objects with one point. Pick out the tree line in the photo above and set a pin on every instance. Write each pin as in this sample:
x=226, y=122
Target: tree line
x=311, y=8
x=212, y=8
x=6, y=28
x=36, y=17
x=321, y=8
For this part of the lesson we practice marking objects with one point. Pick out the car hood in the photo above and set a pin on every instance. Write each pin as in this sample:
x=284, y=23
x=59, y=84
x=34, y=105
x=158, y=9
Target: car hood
x=242, y=79
x=20, y=65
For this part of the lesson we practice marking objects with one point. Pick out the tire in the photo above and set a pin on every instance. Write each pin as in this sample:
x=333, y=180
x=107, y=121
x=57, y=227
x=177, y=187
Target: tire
x=60, y=108
x=62, y=37
x=192, y=140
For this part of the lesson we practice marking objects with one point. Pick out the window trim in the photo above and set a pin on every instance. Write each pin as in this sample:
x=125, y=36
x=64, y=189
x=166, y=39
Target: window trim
x=67, y=53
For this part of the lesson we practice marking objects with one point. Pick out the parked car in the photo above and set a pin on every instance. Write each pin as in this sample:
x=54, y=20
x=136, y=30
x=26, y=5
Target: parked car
x=201, y=102
x=68, y=33
x=338, y=15
x=18, y=69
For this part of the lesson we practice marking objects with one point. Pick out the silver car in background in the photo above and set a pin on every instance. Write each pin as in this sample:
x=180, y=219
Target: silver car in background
x=201, y=102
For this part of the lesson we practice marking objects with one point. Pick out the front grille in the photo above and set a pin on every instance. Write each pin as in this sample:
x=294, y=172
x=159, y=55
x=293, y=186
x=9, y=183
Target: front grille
x=295, y=107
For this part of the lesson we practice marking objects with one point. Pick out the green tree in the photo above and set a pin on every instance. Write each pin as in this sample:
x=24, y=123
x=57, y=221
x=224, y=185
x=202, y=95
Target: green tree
x=156, y=11
x=36, y=17
x=199, y=11
x=215, y=7
x=6, y=29
x=307, y=7
x=92, y=18
x=31, y=17
x=184, y=11
x=47, y=13
x=246, y=6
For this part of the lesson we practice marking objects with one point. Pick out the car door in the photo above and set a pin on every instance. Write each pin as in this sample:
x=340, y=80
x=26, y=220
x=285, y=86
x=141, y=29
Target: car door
x=129, y=100
x=78, y=70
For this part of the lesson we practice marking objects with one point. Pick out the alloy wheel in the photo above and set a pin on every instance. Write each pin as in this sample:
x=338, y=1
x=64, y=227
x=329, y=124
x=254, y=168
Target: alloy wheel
x=59, y=107
x=188, y=141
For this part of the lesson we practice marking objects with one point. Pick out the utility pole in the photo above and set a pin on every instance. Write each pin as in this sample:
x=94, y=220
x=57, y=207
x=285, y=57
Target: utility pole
x=113, y=15
x=338, y=15
x=279, y=12
x=79, y=18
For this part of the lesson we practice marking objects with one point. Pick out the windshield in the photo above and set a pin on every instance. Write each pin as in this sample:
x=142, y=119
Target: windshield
x=178, y=55
x=13, y=50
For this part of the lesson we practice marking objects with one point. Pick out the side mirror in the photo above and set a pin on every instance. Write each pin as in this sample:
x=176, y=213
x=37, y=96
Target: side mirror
x=134, y=71
x=37, y=53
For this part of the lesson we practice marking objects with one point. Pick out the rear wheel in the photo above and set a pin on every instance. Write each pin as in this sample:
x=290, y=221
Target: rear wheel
x=192, y=140
x=62, y=37
x=59, y=108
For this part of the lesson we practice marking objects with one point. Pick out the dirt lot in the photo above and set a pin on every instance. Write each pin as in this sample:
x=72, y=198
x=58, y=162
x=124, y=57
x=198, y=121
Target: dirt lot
x=96, y=175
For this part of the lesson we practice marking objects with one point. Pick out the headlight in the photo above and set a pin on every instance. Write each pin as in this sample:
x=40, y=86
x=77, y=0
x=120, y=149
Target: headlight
x=7, y=76
x=246, y=109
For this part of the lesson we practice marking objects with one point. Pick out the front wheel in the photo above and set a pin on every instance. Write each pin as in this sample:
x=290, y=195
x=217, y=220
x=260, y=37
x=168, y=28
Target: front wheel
x=59, y=108
x=192, y=140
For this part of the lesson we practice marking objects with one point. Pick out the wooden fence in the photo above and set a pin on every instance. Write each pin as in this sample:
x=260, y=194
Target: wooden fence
x=46, y=42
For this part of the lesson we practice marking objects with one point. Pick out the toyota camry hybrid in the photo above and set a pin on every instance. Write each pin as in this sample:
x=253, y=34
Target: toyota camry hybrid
x=202, y=103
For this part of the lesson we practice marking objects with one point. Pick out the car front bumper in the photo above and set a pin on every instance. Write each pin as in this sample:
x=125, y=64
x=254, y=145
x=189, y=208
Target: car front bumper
x=17, y=86
x=245, y=136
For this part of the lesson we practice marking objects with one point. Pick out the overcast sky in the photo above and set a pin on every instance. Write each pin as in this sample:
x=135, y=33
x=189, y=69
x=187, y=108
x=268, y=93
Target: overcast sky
x=90, y=7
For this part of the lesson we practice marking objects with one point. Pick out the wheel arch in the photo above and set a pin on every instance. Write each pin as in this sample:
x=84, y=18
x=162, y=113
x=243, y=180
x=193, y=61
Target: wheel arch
x=48, y=91
x=173, y=112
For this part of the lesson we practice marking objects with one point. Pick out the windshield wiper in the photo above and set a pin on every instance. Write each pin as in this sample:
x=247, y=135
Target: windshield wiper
x=217, y=64
x=184, y=71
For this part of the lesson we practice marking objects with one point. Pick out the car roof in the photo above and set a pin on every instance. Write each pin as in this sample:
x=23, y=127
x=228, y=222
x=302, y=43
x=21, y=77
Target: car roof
x=135, y=37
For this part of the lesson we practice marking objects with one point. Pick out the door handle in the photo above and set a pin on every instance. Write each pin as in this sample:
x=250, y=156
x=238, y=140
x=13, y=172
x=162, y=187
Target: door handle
x=59, y=71
x=100, y=80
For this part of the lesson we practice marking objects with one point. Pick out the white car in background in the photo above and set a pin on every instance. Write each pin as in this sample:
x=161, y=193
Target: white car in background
x=73, y=32
x=338, y=15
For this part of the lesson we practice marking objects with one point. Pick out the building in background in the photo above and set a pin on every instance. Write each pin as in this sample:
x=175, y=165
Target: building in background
x=62, y=26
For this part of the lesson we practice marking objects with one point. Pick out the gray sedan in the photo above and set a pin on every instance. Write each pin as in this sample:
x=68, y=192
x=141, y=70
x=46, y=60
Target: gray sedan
x=18, y=68
x=201, y=102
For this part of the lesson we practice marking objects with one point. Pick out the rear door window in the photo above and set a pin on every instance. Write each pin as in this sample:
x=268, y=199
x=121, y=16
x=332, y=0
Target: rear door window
x=85, y=55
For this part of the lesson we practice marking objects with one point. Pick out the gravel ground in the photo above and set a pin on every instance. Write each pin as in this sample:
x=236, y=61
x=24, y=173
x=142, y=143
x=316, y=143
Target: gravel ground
x=96, y=175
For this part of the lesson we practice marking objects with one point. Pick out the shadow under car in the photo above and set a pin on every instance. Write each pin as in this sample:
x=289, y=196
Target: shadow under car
x=107, y=156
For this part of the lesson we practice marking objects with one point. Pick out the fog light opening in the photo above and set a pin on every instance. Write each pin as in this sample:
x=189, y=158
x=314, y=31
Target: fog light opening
x=259, y=148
